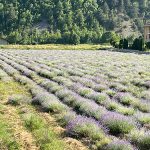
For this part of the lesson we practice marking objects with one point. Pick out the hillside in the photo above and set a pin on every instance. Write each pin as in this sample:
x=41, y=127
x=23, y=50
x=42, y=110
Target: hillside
x=59, y=21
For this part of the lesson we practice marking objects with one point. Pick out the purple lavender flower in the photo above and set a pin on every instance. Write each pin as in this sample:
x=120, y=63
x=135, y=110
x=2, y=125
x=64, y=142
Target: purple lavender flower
x=85, y=127
x=119, y=145
x=147, y=84
x=117, y=123
x=144, y=141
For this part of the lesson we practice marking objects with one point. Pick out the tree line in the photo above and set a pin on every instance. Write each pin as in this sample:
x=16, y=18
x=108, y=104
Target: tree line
x=69, y=21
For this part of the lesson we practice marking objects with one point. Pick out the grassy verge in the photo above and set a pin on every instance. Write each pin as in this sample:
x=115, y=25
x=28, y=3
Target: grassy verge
x=57, y=47
x=7, y=140
x=8, y=88
x=44, y=134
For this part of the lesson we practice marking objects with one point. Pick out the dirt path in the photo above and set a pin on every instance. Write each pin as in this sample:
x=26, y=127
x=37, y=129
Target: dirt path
x=22, y=136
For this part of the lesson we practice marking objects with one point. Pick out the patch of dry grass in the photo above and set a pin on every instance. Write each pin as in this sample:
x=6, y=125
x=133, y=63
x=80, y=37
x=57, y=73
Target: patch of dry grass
x=57, y=47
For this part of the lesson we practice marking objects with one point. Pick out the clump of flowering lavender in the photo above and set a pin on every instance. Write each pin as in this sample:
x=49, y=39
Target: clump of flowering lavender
x=147, y=84
x=99, y=97
x=125, y=98
x=143, y=118
x=100, y=87
x=117, y=123
x=18, y=100
x=85, y=106
x=67, y=117
x=83, y=91
x=119, y=87
x=144, y=141
x=144, y=106
x=112, y=105
x=85, y=127
x=49, y=102
x=146, y=95
x=110, y=92
x=119, y=145
x=87, y=82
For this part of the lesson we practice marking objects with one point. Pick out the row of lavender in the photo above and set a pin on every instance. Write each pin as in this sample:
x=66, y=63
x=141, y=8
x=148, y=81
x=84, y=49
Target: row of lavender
x=66, y=92
x=101, y=98
x=73, y=122
x=80, y=104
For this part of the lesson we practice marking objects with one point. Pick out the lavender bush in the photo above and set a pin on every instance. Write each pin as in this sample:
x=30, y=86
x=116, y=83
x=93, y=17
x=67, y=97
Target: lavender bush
x=119, y=145
x=110, y=87
x=117, y=123
x=85, y=127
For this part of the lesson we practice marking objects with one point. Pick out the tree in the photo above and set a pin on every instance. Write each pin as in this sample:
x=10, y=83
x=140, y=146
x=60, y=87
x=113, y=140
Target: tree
x=125, y=44
x=91, y=18
x=108, y=36
x=75, y=38
x=121, y=44
x=138, y=44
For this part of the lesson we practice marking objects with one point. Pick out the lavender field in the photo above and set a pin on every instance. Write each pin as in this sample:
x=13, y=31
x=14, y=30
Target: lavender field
x=100, y=97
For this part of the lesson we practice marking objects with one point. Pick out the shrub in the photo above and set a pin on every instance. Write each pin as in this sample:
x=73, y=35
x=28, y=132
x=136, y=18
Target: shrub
x=49, y=102
x=112, y=105
x=125, y=44
x=85, y=92
x=110, y=92
x=144, y=141
x=135, y=134
x=62, y=94
x=119, y=145
x=119, y=87
x=147, y=45
x=86, y=82
x=138, y=44
x=147, y=84
x=121, y=43
x=100, y=88
x=109, y=37
x=85, y=127
x=33, y=122
x=67, y=117
x=125, y=98
x=91, y=109
x=99, y=97
x=18, y=100
x=125, y=110
x=117, y=123
x=144, y=106
x=145, y=95
x=143, y=118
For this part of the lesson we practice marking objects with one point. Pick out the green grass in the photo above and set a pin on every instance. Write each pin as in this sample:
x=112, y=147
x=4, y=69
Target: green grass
x=57, y=47
x=44, y=134
x=7, y=140
x=46, y=137
x=10, y=88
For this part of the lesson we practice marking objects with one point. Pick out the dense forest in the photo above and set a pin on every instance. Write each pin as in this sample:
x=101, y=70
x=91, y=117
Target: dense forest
x=67, y=21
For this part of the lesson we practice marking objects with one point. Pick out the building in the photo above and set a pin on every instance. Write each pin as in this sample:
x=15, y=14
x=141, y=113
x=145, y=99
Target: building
x=147, y=32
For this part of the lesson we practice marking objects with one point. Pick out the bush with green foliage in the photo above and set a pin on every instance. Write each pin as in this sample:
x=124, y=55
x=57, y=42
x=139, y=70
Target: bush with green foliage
x=138, y=44
x=147, y=45
x=144, y=141
x=119, y=145
x=114, y=41
x=117, y=123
